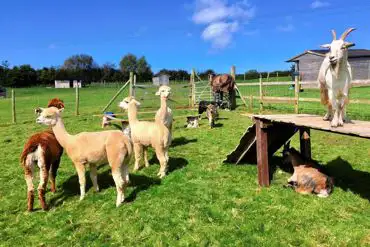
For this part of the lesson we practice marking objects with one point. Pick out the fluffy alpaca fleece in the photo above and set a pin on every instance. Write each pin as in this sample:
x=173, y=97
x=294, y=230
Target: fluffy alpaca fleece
x=92, y=149
x=145, y=134
x=212, y=114
x=41, y=148
x=307, y=178
x=164, y=114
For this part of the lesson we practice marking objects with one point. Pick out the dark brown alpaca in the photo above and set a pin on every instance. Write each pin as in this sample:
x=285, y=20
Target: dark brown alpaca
x=41, y=148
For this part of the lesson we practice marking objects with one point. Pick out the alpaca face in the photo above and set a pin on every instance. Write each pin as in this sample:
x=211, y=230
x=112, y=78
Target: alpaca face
x=126, y=101
x=164, y=91
x=48, y=116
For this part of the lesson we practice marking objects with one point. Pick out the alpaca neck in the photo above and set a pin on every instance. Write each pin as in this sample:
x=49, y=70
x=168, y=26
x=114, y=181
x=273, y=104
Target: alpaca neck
x=132, y=113
x=60, y=133
x=163, y=103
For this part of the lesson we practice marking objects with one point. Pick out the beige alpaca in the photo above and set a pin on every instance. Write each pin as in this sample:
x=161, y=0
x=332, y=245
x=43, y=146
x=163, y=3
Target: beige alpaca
x=93, y=149
x=145, y=134
x=164, y=114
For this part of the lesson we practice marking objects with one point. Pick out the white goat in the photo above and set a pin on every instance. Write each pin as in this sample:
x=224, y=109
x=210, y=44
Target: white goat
x=335, y=77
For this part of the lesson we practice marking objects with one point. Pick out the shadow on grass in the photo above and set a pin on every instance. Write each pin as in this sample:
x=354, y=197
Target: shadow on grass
x=173, y=164
x=182, y=141
x=347, y=178
x=71, y=187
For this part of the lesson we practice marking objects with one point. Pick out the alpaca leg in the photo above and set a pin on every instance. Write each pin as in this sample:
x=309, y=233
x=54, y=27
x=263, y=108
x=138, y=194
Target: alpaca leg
x=120, y=184
x=81, y=179
x=161, y=156
x=94, y=177
x=146, y=157
x=138, y=149
x=28, y=176
x=44, y=173
x=53, y=174
x=125, y=173
x=340, y=113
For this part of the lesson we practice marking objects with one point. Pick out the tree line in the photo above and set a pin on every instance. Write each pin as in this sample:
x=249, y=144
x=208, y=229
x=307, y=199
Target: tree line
x=83, y=67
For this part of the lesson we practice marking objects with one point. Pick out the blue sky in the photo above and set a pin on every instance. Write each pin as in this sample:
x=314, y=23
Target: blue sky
x=177, y=34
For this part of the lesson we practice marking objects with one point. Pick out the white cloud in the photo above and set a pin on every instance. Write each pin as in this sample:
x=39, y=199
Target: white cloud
x=319, y=4
x=221, y=19
x=285, y=28
x=220, y=33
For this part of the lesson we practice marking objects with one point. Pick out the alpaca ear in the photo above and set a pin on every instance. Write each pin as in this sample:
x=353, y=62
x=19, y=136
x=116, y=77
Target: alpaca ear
x=158, y=93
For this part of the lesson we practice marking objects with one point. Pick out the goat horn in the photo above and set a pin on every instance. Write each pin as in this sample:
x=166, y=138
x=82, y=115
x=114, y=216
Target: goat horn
x=334, y=34
x=345, y=34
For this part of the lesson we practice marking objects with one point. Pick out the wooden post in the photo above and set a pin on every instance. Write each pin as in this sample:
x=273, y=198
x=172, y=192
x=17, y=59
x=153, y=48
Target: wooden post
x=116, y=95
x=232, y=72
x=262, y=154
x=13, y=107
x=251, y=103
x=192, y=87
x=261, y=94
x=296, y=95
x=77, y=100
x=134, y=87
x=131, y=83
x=305, y=142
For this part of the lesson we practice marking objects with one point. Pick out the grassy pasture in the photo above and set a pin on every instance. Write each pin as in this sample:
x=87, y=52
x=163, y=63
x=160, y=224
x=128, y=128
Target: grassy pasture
x=202, y=202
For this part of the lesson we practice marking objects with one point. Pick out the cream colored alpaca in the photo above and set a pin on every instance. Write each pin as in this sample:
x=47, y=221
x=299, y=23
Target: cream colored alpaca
x=93, y=149
x=145, y=134
x=164, y=114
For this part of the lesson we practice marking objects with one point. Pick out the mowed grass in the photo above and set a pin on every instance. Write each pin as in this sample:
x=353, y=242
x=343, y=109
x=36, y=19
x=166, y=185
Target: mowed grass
x=202, y=202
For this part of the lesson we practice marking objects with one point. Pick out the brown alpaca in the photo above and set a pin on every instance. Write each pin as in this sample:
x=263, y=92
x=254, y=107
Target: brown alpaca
x=92, y=149
x=306, y=178
x=41, y=148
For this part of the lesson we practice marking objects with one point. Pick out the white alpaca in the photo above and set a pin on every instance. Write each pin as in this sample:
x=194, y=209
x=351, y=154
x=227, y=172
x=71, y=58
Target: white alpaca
x=334, y=78
x=145, y=134
x=164, y=114
x=93, y=149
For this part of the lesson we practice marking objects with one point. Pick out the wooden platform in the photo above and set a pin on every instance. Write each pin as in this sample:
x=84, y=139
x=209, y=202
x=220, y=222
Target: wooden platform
x=354, y=128
x=270, y=132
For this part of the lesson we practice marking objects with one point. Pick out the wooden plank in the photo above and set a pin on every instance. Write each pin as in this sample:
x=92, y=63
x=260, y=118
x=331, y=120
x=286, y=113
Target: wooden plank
x=262, y=154
x=355, y=128
x=305, y=142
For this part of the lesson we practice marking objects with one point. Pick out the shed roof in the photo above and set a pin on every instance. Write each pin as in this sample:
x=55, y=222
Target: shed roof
x=352, y=53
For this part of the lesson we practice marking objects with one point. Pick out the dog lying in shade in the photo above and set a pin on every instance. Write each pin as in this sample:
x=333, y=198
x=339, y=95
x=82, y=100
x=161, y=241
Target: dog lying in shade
x=307, y=177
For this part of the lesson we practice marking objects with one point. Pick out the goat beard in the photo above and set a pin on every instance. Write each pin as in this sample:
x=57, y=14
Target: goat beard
x=336, y=68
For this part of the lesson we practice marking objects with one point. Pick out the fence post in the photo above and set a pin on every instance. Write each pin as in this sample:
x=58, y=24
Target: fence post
x=261, y=94
x=134, y=87
x=77, y=100
x=192, y=88
x=251, y=103
x=296, y=94
x=131, y=83
x=232, y=72
x=13, y=107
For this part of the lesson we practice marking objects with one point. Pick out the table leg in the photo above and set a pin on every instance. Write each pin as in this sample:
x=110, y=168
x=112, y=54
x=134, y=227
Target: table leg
x=305, y=142
x=262, y=154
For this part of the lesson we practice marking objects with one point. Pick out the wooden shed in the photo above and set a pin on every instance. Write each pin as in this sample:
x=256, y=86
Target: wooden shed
x=161, y=79
x=308, y=64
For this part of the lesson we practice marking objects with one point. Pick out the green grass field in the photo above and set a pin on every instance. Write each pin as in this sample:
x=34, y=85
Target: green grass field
x=201, y=202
